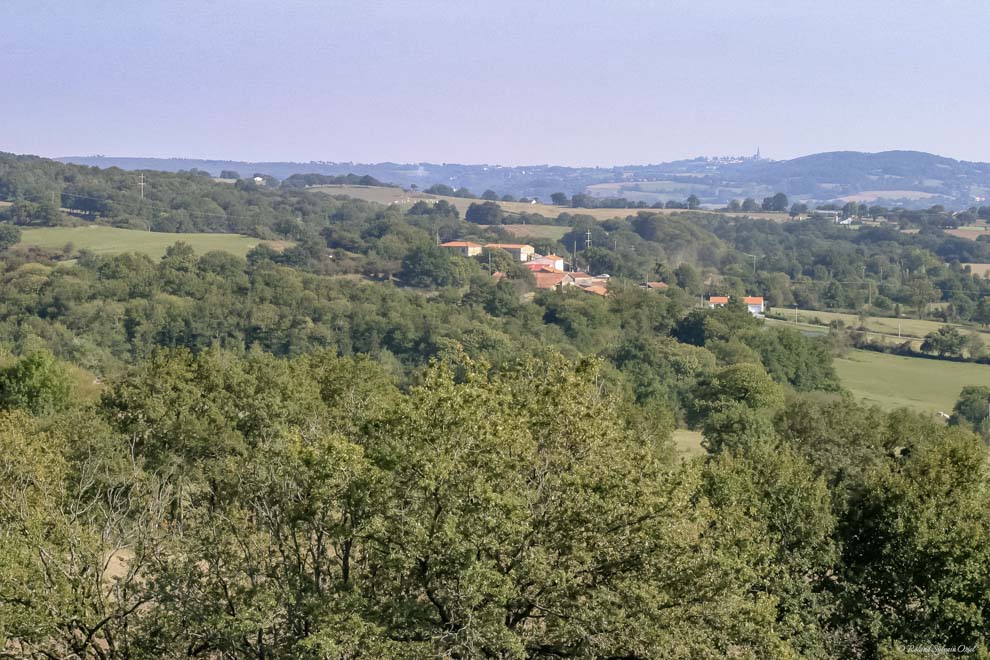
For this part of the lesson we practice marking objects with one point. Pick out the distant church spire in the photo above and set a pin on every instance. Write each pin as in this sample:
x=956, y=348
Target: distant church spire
x=757, y=153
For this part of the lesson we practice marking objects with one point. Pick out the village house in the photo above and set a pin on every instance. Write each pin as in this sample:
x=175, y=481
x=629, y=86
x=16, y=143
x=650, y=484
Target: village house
x=463, y=248
x=596, y=288
x=519, y=251
x=754, y=304
x=658, y=286
x=547, y=278
x=554, y=261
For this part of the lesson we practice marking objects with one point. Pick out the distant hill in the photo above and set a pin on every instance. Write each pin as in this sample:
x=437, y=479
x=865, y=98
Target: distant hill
x=893, y=178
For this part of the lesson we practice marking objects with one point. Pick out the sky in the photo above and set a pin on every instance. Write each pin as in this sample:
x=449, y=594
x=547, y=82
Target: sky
x=572, y=83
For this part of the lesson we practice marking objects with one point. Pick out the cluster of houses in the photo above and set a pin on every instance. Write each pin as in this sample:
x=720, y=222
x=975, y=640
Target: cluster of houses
x=550, y=272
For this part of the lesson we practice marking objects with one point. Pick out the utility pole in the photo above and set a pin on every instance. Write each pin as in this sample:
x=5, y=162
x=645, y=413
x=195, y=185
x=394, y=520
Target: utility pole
x=754, y=260
x=587, y=240
x=141, y=185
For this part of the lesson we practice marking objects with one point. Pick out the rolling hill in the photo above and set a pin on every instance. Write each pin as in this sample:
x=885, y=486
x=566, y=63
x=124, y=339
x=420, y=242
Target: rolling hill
x=906, y=178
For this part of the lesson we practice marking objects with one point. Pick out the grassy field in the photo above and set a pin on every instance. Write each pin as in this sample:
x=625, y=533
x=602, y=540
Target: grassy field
x=908, y=328
x=870, y=196
x=399, y=196
x=688, y=443
x=554, y=232
x=979, y=269
x=894, y=381
x=110, y=240
x=972, y=233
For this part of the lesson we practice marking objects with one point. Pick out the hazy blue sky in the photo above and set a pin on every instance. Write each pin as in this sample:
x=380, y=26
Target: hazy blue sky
x=499, y=82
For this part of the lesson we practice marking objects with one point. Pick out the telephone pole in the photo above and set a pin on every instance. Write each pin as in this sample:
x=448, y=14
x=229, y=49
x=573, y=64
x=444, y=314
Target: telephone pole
x=587, y=240
x=141, y=185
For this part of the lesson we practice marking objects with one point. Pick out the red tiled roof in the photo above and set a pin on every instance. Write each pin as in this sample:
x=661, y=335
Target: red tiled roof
x=718, y=299
x=596, y=288
x=548, y=280
x=459, y=244
x=540, y=268
x=656, y=285
x=753, y=300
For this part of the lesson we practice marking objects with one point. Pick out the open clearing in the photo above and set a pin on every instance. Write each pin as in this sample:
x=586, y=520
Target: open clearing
x=972, y=233
x=894, y=381
x=111, y=240
x=688, y=443
x=399, y=196
x=868, y=196
x=979, y=269
x=554, y=232
x=906, y=328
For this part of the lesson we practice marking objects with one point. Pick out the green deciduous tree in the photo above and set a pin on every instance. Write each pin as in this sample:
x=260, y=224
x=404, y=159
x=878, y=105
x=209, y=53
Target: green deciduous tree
x=946, y=341
x=36, y=383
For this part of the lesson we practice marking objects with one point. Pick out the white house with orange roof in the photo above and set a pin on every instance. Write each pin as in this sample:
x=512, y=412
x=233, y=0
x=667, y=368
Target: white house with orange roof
x=554, y=261
x=754, y=304
x=519, y=251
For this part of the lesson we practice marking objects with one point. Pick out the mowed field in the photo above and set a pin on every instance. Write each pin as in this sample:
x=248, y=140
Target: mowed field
x=553, y=232
x=869, y=196
x=399, y=196
x=895, y=381
x=972, y=232
x=979, y=269
x=907, y=328
x=111, y=240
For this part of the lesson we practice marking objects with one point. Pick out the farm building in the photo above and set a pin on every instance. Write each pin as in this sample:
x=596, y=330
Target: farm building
x=463, y=248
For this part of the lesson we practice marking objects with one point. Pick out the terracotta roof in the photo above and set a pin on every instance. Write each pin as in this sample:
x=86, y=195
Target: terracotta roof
x=509, y=246
x=718, y=299
x=656, y=285
x=498, y=275
x=596, y=288
x=459, y=244
x=548, y=280
x=753, y=300
x=540, y=268
x=552, y=256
